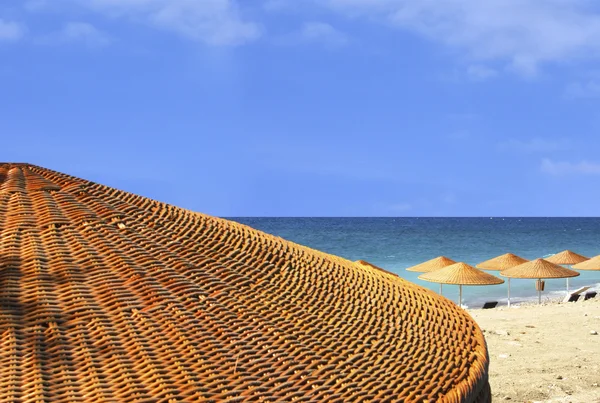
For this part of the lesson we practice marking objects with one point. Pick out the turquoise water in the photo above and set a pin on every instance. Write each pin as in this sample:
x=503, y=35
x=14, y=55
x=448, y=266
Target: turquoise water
x=397, y=243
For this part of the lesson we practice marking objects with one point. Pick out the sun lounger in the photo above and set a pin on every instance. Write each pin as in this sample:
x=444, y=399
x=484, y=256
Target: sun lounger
x=572, y=298
x=588, y=295
x=489, y=305
x=574, y=295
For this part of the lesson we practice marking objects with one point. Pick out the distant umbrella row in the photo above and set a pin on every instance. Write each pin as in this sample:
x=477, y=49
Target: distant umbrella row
x=444, y=270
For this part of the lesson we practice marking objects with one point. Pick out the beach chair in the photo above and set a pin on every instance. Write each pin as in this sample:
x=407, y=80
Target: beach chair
x=574, y=296
x=490, y=305
x=588, y=295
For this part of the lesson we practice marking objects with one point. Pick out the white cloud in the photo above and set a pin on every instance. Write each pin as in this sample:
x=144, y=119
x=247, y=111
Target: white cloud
x=459, y=135
x=450, y=198
x=519, y=34
x=323, y=33
x=215, y=22
x=76, y=33
x=479, y=72
x=399, y=207
x=587, y=89
x=11, y=31
x=562, y=168
x=534, y=145
x=85, y=33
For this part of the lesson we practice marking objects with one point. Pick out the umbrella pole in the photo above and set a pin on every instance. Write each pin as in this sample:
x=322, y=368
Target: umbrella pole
x=460, y=295
x=509, y=292
x=440, y=288
x=567, y=285
x=539, y=294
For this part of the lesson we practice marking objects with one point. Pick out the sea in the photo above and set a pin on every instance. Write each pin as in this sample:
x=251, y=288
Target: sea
x=397, y=243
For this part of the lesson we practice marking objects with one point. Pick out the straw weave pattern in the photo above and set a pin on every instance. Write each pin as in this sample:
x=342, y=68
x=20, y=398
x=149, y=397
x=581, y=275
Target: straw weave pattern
x=539, y=268
x=106, y=296
x=433, y=264
x=590, y=264
x=567, y=257
x=502, y=262
x=461, y=273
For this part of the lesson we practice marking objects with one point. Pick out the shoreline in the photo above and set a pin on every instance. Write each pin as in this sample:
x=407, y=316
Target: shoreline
x=543, y=353
x=549, y=297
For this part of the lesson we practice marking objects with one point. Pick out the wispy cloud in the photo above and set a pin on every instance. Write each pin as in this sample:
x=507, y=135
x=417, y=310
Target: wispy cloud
x=314, y=33
x=534, y=145
x=11, y=31
x=586, y=89
x=562, y=168
x=459, y=135
x=214, y=22
x=76, y=33
x=518, y=34
x=449, y=198
x=480, y=72
x=399, y=207
x=462, y=116
x=323, y=33
x=84, y=32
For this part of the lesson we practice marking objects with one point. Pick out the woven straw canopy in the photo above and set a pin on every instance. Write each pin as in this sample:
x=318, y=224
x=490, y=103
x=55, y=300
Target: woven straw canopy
x=539, y=268
x=106, y=296
x=590, y=264
x=433, y=264
x=567, y=257
x=461, y=274
x=502, y=262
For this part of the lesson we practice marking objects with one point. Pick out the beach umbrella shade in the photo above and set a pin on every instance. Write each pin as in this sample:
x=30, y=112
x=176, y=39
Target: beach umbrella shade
x=502, y=262
x=538, y=269
x=461, y=274
x=433, y=264
x=567, y=258
x=105, y=294
x=590, y=264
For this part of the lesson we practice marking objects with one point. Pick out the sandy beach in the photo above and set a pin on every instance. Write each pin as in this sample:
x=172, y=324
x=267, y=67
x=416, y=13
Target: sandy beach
x=544, y=353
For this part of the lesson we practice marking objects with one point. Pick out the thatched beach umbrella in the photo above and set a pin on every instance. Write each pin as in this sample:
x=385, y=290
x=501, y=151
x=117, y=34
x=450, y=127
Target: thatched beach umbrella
x=503, y=262
x=431, y=265
x=567, y=258
x=461, y=274
x=539, y=269
x=106, y=296
x=590, y=264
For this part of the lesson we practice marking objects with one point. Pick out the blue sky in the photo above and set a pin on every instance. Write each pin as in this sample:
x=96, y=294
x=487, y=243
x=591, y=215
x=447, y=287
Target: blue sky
x=312, y=108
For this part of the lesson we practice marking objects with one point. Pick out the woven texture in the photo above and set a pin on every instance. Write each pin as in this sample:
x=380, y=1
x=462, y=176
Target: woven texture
x=591, y=264
x=502, y=262
x=539, y=268
x=106, y=296
x=567, y=257
x=461, y=273
x=433, y=264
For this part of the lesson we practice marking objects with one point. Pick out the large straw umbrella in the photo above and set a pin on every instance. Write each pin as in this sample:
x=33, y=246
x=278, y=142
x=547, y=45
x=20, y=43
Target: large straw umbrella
x=431, y=265
x=502, y=262
x=538, y=269
x=590, y=264
x=567, y=257
x=460, y=274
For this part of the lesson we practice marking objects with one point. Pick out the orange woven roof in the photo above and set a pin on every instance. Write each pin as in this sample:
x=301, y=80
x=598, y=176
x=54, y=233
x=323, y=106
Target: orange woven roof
x=567, y=257
x=590, y=264
x=433, y=264
x=109, y=296
x=502, y=262
x=539, y=268
x=461, y=273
